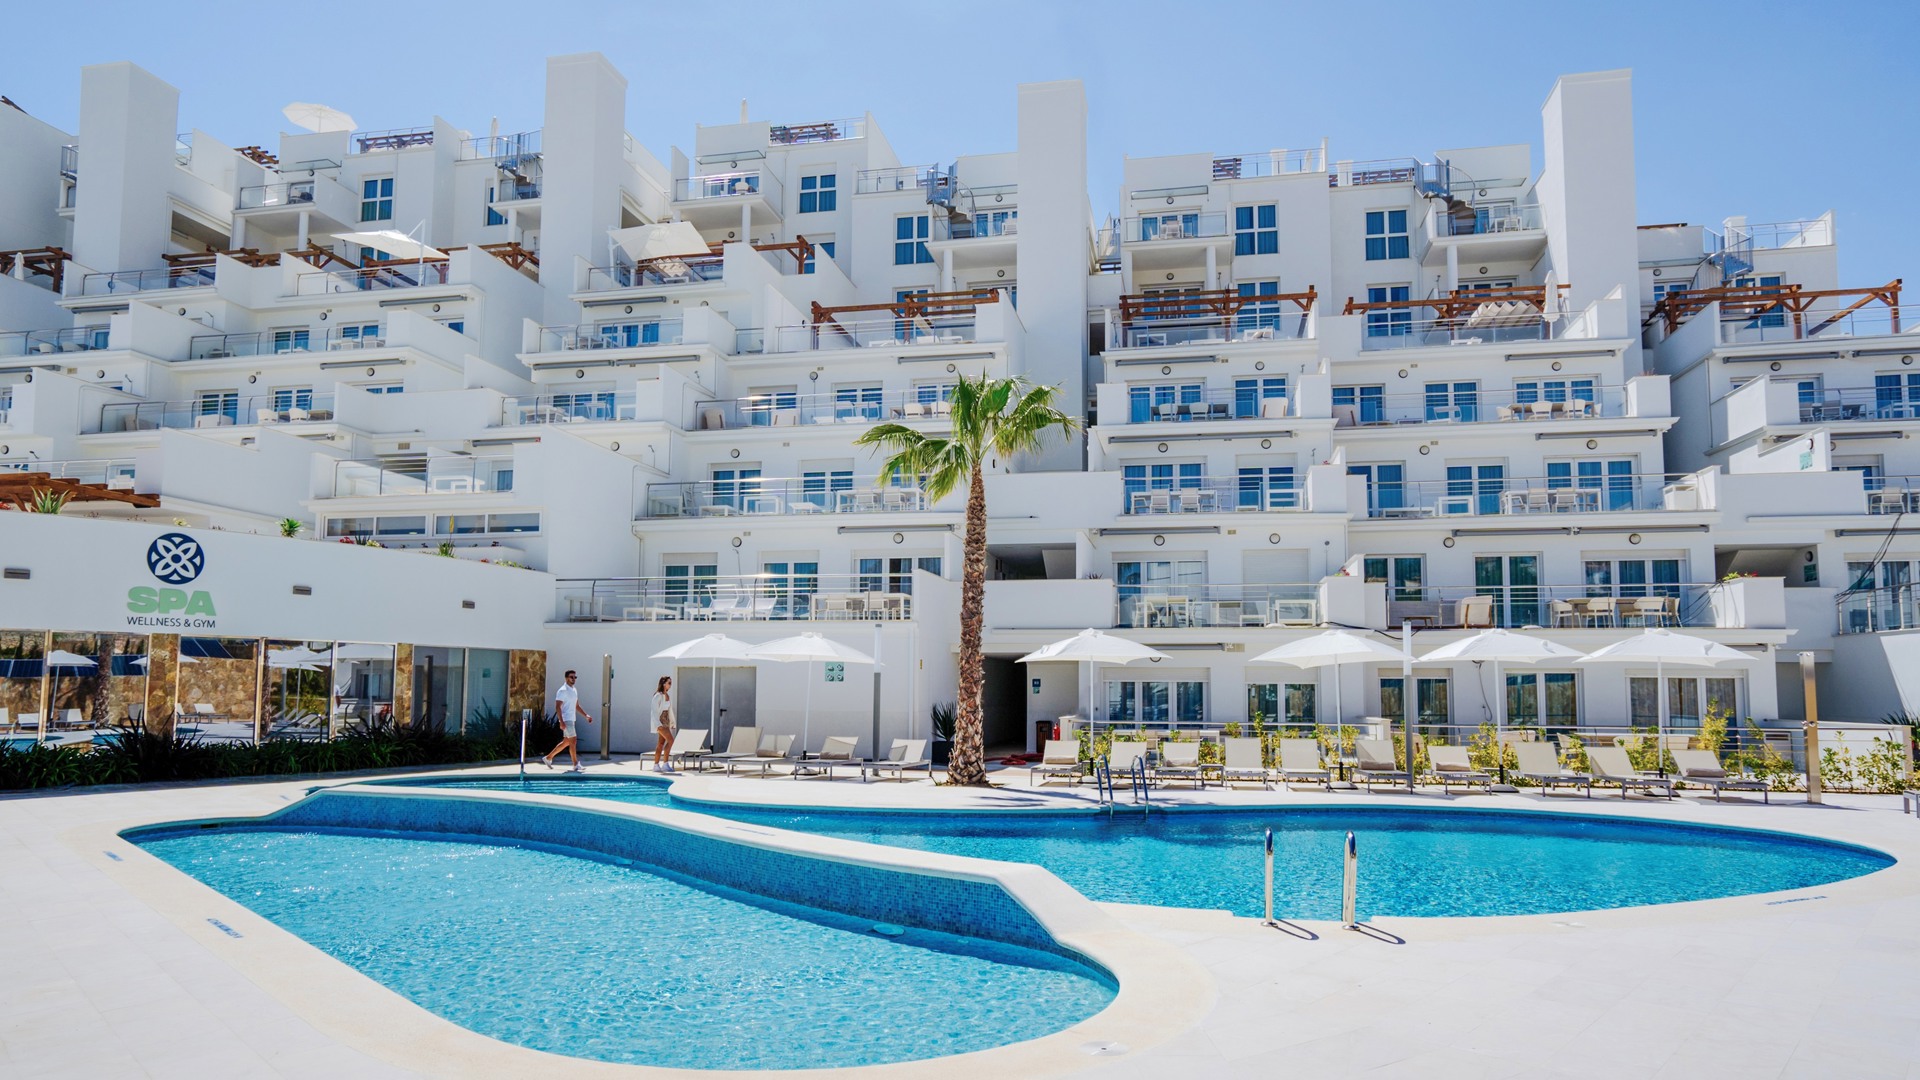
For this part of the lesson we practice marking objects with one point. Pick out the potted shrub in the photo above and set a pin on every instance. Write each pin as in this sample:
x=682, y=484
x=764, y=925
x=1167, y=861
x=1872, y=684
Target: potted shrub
x=941, y=717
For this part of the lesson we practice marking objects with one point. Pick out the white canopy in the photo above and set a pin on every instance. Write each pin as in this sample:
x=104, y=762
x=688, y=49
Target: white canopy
x=1503, y=647
x=317, y=117
x=396, y=244
x=1661, y=647
x=1330, y=647
x=711, y=648
x=643, y=242
x=808, y=648
x=63, y=658
x=1094, y=646
x=348, y=651
x=141, y=661
x=298, y=656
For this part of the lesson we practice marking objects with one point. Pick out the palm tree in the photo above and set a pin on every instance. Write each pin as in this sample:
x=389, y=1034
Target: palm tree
x=995, y=418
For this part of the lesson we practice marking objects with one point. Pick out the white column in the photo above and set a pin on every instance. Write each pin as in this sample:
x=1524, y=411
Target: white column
x=302, y=242
x=946, y=270
x=239, y=237
x=1213, y=270
x=1453, y=268
x=746, y=223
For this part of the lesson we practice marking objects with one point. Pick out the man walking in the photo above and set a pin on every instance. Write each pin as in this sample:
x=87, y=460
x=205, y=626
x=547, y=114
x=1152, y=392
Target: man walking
x=566, y=706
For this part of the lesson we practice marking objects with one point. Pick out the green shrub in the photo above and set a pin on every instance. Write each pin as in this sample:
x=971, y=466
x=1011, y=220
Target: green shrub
x=1488, y=754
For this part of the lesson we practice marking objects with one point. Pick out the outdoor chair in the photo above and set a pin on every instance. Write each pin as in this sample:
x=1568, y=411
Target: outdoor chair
x=1059, y=757
x=688, y=745
x=1376, y=764
x=1611, y=764
x=1122, y=756
x=1244, y=762
x=1540, y=764
x=773, y=750
x=743, y=742
x=1455, y=769
x=1703, y=767
x=1180, y=761
x=1300, y=761
x=903, y=757
x=836, y=752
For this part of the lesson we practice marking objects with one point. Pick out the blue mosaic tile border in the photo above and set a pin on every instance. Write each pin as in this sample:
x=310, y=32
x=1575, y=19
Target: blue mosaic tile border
x=980, y=909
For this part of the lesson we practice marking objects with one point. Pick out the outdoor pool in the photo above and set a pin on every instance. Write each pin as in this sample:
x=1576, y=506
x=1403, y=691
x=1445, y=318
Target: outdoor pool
x=1413, y=862
x=589, y=956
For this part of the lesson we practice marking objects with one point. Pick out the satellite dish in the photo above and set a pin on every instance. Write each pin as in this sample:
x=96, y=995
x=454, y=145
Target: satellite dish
x=315, y=117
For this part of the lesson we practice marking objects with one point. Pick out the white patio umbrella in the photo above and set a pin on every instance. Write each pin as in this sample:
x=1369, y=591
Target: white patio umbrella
x=808, y=648
x=1331, y=648
x=1093, y=647
x=1661, y=647
x=643, y=242
x=399, y=245
x=317, y=117
x=711, y=648
x=1503, y=647
x=63, y=658
x=297, y=656
x=141, y=661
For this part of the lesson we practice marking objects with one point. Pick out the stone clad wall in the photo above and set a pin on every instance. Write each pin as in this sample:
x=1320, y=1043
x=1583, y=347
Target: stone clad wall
x=526, y=683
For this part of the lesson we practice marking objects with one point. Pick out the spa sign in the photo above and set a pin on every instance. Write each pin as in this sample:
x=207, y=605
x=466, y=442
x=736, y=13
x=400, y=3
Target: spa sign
x=175, y=560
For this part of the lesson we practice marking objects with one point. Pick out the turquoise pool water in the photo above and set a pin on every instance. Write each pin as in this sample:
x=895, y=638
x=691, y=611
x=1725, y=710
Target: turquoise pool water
x=580, y=955
x=1426, y=862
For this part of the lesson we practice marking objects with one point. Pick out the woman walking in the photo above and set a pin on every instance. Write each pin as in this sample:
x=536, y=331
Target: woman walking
x=662, y=711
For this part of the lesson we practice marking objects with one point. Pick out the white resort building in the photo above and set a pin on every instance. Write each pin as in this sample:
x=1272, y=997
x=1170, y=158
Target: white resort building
x=1442, y=391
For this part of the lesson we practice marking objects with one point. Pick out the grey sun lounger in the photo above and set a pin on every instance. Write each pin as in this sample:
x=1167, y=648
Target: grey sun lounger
x=903, y=757
x=1376, y=764
x=1611, y=763
x=1703, y=767
x=1180, y=761
x=689, y=744
x=1541, y=764
x=743, y=742
x=1123, y=754
x=1243, y=762
x=1300, y=761
x=774, y=750
x=837, y=752
x=1059, y=757
x=1455, y=769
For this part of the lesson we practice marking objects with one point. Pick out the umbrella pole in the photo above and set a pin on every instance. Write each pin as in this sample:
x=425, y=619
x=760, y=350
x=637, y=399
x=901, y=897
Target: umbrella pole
x=713, y=702
x=806, y=716
x=1660, y=716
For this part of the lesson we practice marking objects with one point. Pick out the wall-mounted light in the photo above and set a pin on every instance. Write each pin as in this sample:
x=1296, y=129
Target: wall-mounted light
x=100, y=374
x=1273, y=538
x=1446, y=541
x=579, y=373
x=1633, y=538
x=1166, y=369
x=1259, y=365
x=1162, y=448
x=1169, y=273
x=1425, y=449
x=735, y=452
x=1556, y=365
x=436, y=307
x=254, y=378
x=1159, y=541
x=813, y=376
x=1775, y=366
x=951, y=368
x=616, y=447
x=629, y=309
x=1906, y=361
x=736, y=541
x=899, y=538
x=371, y=371
x=1266, y=444
x=999, y=273
x=1403, y=373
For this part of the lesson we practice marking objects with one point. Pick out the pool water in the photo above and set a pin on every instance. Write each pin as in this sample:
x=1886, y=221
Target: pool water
x=576, y=954
x=1426, y=862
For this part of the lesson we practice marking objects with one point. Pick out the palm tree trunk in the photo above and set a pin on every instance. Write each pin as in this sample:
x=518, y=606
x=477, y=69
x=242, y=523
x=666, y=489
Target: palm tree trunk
x=967, y=765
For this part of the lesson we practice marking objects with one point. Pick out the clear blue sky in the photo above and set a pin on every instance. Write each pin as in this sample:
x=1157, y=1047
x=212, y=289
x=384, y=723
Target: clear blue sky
x=1773, y=110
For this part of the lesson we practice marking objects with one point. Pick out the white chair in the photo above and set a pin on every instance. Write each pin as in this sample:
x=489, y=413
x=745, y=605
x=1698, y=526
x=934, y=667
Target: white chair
x=1273, y=408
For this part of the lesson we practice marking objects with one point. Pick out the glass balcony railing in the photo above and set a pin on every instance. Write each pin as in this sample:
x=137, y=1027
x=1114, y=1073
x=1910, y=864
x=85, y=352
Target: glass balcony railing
x=436, y=476
x=1188, y=225
x=1825, y=322
x=115, y=473
x=1487, y=220
x=400, y=275
x=1206, y=495
x=1204, y=605
x=901, y=178
x=130, y=281
x=985, y=224
x=1267, y=163
x=1870, y=611
x=807, y=410
x=290, y=193
x=50, y=342
x=1481, y=406
x=1529, y=496
x=589, y=407
x=1179, y=405
x=1383, y=331
x=1893, y=494
x=934, y=330
x=218, y=411
x=624, y=335
x=827, y=493
x=736, y=597
x=1554, y=606
x=657, y=272
x=728, y=185
x=1277, y=326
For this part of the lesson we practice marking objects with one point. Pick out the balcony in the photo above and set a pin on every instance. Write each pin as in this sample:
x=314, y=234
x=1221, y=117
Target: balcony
x=392, y=139
x=1766, y=314
x=1240, y=329
x=735, y=598
x=1471, y=607
x=114, y=473
x=449, y=475
x=799, y=496
x=1198, y=406
x=717, y=199
x=525, y=144
x=591, y=336
x=1873, y=611
x=818, y=132
x=1493, y=232
x=1489, y=329
x=290, y=193
x=902, y=178
x=286, y=407
x=1210, y=317
x=876, y=333
x=1893, y=494
x=786, y=410
x=1212, y=496
x=1175, y=226
x=135, y=281
x=1212, y=606
x=1491, y=220
x=1268, y=163
x=984, y=225
x=393, y=275
x=688, y=270
x=582, y=408
x=1523, y=407
x=53, y=342
x=45, y=266
x=1545, y=498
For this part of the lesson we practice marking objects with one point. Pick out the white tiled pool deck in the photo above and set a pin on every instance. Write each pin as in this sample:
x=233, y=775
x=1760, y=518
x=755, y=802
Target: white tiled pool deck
x=101, y=976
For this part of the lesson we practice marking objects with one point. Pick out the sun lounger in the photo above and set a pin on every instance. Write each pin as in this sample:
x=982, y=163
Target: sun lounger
x=1300, y=761
x=1703, y=767
x=838, y=751
x=1455, y=769
x=1122, y=755
x=1180, y=761
x=1375, y=764
x=1059, y=757
x=689, y=744
x=1243, y=762
x=1540, y=764
x=773, y=750
x=743, y=742
x=903, y=757
x=1611, y=763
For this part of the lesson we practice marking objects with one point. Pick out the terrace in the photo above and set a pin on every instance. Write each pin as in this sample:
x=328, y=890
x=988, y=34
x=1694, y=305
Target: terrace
x=442, y=475
x=1537, y=497
x=50, y=342
x=1472, y=316
x=36, y=264
x=817, y=132
x=1584, y=606
x=1211, y=317
x=1767, y=314
x=825, y=493
x=1141, y=607
x=797, y=597
x=900, y=178
x=217, y=411
x=1212, y=495
x=1268, y=163
x=782, y=409
x=754, y=195
x=181, y=272
x=673, y=270
x=1550, y=401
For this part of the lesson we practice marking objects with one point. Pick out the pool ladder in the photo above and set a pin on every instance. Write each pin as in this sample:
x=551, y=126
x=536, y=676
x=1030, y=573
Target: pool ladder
x=1136, y=779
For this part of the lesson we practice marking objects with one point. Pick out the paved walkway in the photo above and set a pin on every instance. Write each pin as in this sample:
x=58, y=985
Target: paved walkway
x=1818, y=983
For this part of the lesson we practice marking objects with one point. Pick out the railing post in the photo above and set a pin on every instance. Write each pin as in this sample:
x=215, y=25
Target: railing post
x=1350, y=885
x=1269, y=919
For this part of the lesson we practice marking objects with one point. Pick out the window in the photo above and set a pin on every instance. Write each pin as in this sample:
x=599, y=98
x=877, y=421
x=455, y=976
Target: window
x=1255, y=230
x=791, y=586
x=1142, y=584
x=494, y=217
x=687, y=581
x=1527, y=391
x=821, y=249
x=383, y=388
x=511, y=523
x=821, y=487
x=1367, y=402
x=401, y=525
x=1269, y=488
x=629, y=335
x=285, y=341
x=1393, y=322
x=1513, y=581
x=763, y=406
x=818, y=194
x=1612, y=478
x=1156, y=703
x=1474, y=489
x=1767, y=283
x=736, y=488
x=360, y=332
x=293, y=397
x=1386, y=235
x=1548, y=699
x=1386, y=486
x=1664, y=289
x=1250, y=396
x=1403, y=575
x=1162, y=401
x=1258, y=314
x=930, y=393
x=1685, y=694
x=458, y=326
x=893, y=575
x=1484, y=285
x=1431, y=692
x=1174, y=226
x=910, y=240
x=376, y=199
x=857, y=403
x=218, y=403
x=1633, y=577
x=586, y=404
x=1453, y=401
x=1282, y=703
x=1896, y=395
x=1140, y=479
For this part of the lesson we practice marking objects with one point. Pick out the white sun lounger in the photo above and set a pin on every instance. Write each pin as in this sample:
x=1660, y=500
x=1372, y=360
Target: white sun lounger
x=1541, y=764
x=773, y=750
x=1375, y=763
x=1612, y=763
x=1703, y=767
x=1243, y=762
x=838, y=751
x=903, y=757
x=1300, y=760
x=1455, y=769
x=1059, y=757
x=689, y=744
x=743, y=742
x=1180, y=761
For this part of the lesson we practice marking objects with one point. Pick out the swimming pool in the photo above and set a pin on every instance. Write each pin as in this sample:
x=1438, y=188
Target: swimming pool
x=591, y=956
x=1413, y=862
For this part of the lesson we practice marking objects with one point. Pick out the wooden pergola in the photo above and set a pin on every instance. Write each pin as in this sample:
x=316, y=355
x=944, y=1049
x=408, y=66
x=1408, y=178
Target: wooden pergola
x=50, y=262
x=1739, y=303
x=1459, y=303
x=20, y=489
x=1204, y=304
x=919, y=307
